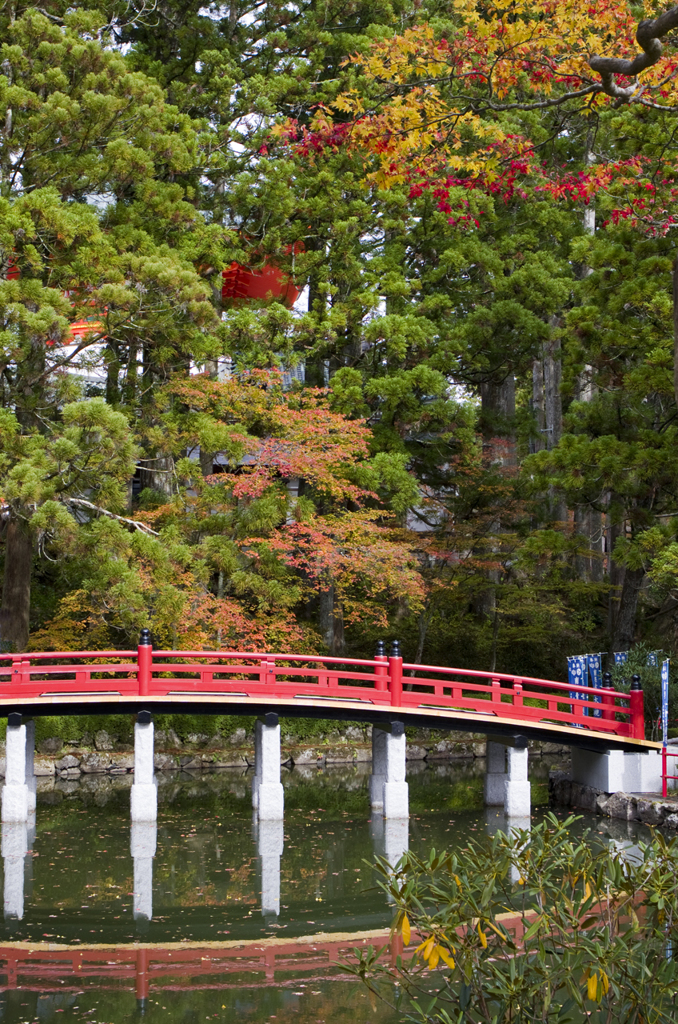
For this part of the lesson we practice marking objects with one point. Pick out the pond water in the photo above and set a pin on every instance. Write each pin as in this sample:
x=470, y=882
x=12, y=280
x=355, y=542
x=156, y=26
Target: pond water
x=210, y=915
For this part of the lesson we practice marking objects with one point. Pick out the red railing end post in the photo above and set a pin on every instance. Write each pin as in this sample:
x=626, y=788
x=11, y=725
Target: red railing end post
x=381, y=668
x=395, y=671
x=144, y=662
x=637, y=708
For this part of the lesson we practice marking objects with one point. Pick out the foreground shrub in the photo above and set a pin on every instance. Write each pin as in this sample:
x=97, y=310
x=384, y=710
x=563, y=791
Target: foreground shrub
x=536, y=926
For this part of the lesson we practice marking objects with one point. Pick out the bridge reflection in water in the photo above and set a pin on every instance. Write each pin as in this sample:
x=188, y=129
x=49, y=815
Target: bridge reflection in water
x=389, y=836
x=263, y=965
x=152, y=968
x=63, y=971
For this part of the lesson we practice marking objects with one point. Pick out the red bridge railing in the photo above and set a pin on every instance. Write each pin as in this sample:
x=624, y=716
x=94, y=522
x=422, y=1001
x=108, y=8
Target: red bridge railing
x=379, y=682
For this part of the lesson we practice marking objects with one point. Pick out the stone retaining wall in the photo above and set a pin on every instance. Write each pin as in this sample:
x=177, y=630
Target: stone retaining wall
x=563, y=792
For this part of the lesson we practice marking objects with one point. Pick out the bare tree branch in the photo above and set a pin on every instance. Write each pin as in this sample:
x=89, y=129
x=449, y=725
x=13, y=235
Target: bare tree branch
x=649, y=33
x=81, y=503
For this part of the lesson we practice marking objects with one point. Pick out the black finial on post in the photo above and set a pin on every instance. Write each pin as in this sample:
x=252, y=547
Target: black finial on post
x=14, y=719
x=635, y=683
x=381, y=649
x=607, y=680
x=395, y=649
x=145, y=638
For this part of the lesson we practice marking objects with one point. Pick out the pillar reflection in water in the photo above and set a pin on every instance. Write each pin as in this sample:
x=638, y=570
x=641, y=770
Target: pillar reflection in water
x=270, y=840
x=143, y=842
x=390, y=839
x=17, y=842
x=497, y=821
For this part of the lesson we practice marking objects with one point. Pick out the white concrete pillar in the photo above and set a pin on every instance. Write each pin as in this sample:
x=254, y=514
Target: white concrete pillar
x=270, y=843
x=506, y=782
x=517, y=800
x=144, y=800
x=15, y=795
x=143, y=844
x=270, y=800
x=378, y=776
x=396, y=791
x=495, y=774
x=14, y=850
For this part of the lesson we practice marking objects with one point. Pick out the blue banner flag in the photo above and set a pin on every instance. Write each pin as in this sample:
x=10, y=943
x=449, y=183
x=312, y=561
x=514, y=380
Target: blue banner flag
x=576, y=669
x=652, y=659
x=621, y=657
x=596, y=673
x=665, y=701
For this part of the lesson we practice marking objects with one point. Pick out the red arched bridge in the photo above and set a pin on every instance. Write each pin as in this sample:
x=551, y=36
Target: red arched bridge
x=377, y=690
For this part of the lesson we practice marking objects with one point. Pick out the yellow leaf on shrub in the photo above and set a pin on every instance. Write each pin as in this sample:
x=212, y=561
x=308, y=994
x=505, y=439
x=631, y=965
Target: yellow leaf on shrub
x=444, y=955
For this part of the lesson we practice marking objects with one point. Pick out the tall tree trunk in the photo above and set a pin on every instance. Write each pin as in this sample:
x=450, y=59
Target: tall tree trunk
x=615, y=571
x=16, y=590
x=547, y=405
x=207, y=458
x=553, y=403
x=425, y=617
x=625, y=626
x=498, y=414
x=331, y=621
x=538, y=443
x=158, y=474
x=497, y=417
x=589, y=523
x=495, y=636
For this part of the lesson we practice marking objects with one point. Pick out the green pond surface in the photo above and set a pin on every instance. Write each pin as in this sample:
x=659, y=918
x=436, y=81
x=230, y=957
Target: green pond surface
x=231, y=904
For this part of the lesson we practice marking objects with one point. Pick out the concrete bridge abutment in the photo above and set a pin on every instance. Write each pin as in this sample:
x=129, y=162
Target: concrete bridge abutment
x=612, y=771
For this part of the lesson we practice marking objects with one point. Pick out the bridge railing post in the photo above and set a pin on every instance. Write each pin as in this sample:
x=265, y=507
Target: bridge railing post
x=266, y=671
x=395, y=671
x=637, y=707
x=144, y=662
x=381, y=668
x=21, y=670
